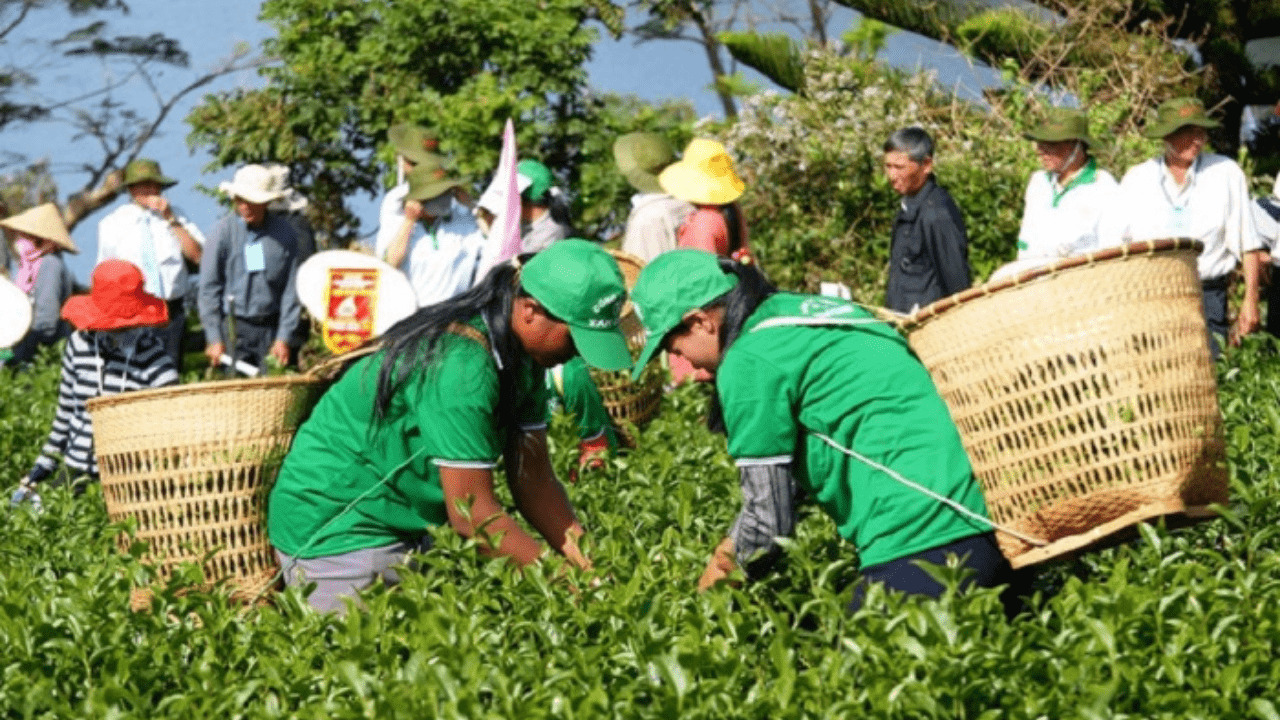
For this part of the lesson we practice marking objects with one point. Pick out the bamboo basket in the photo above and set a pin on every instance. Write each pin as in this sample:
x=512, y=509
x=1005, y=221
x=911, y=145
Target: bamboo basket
x=1084, y=394
x=629, y=402
x=192, y=464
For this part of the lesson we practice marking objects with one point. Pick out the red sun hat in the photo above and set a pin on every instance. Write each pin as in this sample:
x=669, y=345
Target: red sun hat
x=115, y=301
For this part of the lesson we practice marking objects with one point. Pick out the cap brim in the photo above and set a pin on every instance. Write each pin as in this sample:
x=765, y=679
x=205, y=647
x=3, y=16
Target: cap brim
x=434, y=190
x=1036, y=136
x=604, y=349
x=651, y=347
x=645, y=182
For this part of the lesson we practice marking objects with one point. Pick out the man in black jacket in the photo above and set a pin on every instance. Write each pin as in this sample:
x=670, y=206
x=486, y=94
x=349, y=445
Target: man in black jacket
x=929, y=255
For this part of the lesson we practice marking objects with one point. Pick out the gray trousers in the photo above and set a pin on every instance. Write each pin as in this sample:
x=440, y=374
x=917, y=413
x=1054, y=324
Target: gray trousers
x=344, y=576
x=253, y=341
x=1215, y=312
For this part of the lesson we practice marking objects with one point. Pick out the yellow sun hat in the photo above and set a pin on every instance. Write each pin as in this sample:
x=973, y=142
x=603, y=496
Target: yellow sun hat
x=704, y=176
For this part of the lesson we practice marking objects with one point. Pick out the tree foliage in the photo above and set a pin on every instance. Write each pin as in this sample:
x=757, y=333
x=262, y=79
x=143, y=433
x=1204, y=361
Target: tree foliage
x=118, y=130
x=350, y=69
x=1133, y=38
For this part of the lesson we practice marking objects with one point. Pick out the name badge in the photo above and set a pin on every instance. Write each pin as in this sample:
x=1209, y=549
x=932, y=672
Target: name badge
x=253, y=258
x=1181, y=221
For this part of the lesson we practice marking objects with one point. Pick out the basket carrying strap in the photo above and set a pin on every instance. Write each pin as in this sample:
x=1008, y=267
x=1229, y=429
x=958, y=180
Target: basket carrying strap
x=469, y=333
x=838, y=321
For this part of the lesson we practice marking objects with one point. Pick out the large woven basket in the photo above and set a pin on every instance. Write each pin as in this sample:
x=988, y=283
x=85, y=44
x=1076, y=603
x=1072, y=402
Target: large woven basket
x=1084, y=394
x=626, y=401
x=191, y=465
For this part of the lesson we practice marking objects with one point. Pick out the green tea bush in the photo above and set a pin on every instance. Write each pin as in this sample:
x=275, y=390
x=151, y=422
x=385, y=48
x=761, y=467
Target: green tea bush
x=1168, y=625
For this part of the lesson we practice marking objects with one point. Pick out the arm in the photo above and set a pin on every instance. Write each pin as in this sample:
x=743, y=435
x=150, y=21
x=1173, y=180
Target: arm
x=541, y=498
x=768, y=512
x=397, y=250
x=290, y=306
x=209, y=297
x=57, y=442
x=945, y=238
x=474, y=512
x=1249, y=320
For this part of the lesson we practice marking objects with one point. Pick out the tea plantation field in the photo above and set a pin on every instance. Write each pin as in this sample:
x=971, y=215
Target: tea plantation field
x=1181, y=624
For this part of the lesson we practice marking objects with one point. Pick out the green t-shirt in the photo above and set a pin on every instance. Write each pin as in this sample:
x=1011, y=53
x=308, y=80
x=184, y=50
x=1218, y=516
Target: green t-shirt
x=861, y=386
x=581, y=398
x=444, y=414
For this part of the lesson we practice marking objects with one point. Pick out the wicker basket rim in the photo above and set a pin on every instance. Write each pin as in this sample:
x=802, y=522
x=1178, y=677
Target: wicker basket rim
x=211, y=387
x=1142, y=248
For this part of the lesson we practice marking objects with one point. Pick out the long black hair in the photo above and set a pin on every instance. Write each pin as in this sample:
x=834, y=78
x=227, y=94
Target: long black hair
x=410, y=345
x=752, y=289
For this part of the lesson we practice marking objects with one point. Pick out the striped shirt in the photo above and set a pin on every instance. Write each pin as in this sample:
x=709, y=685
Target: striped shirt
x=97, y=363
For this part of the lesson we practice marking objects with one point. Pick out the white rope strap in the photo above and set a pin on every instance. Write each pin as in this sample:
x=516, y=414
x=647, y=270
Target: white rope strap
x=920, y=488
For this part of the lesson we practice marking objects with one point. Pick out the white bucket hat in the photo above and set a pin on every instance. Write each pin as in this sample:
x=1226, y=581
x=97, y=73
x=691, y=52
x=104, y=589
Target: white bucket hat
x=255, y=184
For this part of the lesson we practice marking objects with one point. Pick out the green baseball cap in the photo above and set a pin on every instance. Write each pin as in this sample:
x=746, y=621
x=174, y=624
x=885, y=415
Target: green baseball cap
x=416, y=143
x=580, y=283
x=429, y=180
x=539, y=177
x=144, y=170
x=1062, y=124
x=1175, y=114
x=671, y=285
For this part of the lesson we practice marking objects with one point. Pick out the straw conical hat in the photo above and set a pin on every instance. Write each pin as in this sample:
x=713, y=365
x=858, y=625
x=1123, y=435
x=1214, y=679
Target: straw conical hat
x=16, y=318
x=43, y=221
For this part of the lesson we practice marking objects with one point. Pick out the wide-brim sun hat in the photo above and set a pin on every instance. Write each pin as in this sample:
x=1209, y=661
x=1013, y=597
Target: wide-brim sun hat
x=45, y=222
x=669, y=287
x=704, y=176
x=116, y=300
x=429, y=180
x=580, y=283
x=416, y=143
x=640, y=157
x=254, y=183
x=1061, y=124
x=326, y=271
x=1173, y=115
x=15, y=321
x=146, y=170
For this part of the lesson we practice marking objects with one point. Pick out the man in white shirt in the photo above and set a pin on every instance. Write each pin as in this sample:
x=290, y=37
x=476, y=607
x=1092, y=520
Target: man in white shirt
x=440, y=262
x=1188, y=193
x=1266, y=219
x=413, y=145
x=655, y=215
x=1064, y=203
x=160, y=240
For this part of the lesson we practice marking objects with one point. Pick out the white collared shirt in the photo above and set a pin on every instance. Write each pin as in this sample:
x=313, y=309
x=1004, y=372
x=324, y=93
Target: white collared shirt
x=1060, y=222
x=1212, y=207
x=123, y=233
x=441, y=262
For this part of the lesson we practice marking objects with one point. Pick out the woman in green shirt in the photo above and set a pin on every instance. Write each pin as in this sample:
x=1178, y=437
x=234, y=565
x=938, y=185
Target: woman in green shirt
x=407, y=438
x=818, y=397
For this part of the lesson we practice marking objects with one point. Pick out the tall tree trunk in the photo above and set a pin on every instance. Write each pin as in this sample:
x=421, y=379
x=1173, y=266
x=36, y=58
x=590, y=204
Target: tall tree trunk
x=712, y=46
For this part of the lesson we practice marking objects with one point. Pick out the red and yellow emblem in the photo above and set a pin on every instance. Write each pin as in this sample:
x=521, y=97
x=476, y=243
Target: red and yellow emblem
x=351, y=303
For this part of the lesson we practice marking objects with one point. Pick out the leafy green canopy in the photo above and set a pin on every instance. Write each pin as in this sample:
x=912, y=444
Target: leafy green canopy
x=1167, y=626
x=349, y=69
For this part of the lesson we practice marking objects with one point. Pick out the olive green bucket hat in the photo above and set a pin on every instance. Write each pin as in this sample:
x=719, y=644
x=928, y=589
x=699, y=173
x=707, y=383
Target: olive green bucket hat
x=429, y=179
x=1175, y=114
x=1062, y=124
x=144, y=170
x=416, y=143
x=640, y=157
